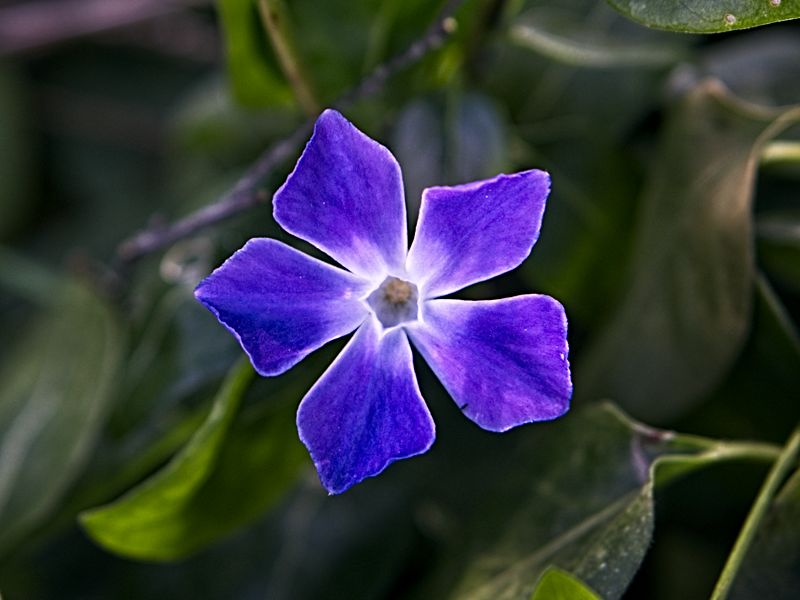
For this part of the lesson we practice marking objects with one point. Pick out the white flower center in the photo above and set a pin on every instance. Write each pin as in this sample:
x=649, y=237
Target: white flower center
x=394, y=302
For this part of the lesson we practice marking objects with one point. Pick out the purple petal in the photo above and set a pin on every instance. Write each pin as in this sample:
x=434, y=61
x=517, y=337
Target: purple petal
x=345, y=196
x=282, y=304
x=473, y=232
x=366, y=410
x=504, y=362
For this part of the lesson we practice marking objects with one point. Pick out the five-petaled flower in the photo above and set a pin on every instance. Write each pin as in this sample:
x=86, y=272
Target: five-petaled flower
x=504, y=362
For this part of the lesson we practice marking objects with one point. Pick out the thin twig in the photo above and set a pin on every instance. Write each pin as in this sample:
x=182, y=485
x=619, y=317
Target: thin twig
x=243, y=196
x=443, y=27
x=247, y=192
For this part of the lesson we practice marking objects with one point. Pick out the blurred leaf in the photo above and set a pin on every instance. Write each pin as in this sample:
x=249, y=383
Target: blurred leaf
x=16, y=153
x=686, y=312
x=571, y=38
x=556, y=584
x=771, y=567
x=210, y=128
x=440, y=143
x=224, y=477
x=760, y=67
x=477, y=138
x=590, y=511
x=56, y=393
x=767, y=369
x=417, y=141
x=338, y=40
x=707, y=16
x=149, y=521
x=779, y=245
x=28, y=278
x=254, y=80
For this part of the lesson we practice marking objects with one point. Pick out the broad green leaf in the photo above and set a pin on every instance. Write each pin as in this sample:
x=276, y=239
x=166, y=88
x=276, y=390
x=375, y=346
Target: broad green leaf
x=590, y=511
x=148, y=519
x=686, y=312
x=707, y=16
x=254, y=80
x=232, y=469
x=572, y=37
x=771, y=568
x=57, y=388
x=557, y=584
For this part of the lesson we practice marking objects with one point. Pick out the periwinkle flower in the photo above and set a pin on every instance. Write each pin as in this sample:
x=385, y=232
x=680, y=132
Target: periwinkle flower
x=504, y=362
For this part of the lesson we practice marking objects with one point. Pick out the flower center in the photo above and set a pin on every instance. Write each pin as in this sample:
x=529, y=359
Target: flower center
x=394, y=302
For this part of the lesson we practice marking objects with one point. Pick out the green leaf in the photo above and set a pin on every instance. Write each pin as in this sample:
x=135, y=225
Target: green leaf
x=57, y=389
x=254, y=80
x=707, y=16
x=590, y=510
x=686, y=312
x=232, y=469
x=557, y=584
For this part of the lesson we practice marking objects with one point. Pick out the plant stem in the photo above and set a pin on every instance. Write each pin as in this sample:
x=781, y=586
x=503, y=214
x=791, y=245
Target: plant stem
x=781, y=152
x=777, y=474
x=275, y=18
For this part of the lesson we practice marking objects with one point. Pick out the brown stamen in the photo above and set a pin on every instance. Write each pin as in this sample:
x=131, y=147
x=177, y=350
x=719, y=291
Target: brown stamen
x=397, y=291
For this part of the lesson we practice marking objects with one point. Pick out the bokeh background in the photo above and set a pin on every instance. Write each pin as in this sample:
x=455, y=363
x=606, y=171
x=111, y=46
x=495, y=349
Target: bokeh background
x=672, y=237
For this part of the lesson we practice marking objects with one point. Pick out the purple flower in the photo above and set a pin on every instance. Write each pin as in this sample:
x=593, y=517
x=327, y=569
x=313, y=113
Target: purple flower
x=504, y=362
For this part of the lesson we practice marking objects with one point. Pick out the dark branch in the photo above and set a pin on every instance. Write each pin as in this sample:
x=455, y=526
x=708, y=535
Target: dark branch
x=243, y=196
x=247, y=192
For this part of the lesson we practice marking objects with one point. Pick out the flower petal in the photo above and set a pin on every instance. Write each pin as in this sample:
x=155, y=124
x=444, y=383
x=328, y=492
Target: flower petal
x=345, y=196
x=366, y=410
x=475, y=231
x=504, y=362
x=282, y=304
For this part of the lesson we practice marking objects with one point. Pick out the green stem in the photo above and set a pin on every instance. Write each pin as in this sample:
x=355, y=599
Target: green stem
x=275, y=18
x=777, y=474
x=780, y=153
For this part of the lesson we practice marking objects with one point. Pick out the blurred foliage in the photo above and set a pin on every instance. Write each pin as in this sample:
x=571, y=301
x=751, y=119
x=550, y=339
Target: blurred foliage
x=686, y=313
x=672, y=237
x=224, y=477
x=772, y=566
x=57, y=390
